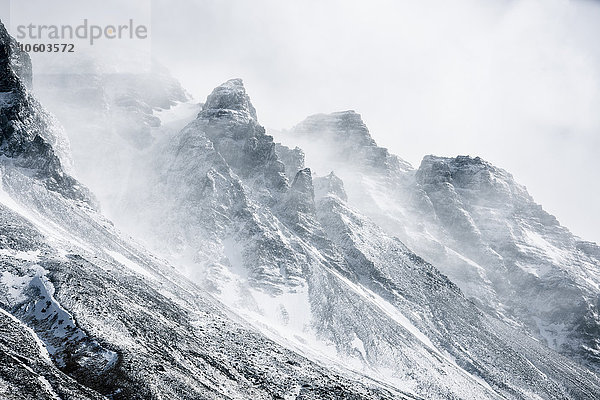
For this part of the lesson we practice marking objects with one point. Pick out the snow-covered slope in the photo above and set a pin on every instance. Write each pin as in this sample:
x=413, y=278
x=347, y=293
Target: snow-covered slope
x=316, y=275
x=474, y=222
x=86, y=313
x=125, y=324
x=112, y=117
x=300, y=284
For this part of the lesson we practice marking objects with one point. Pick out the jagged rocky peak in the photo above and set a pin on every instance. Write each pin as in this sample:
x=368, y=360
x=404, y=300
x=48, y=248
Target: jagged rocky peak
x=15, y=65
x=466, y=172
x=343, y=137
x=228, y=119
x=298, y=206
x=457, y=185
x=329, y=185
x=347, y=125
x=301, y=197
x=293, y=159
x=230, y=96
x=303, y=182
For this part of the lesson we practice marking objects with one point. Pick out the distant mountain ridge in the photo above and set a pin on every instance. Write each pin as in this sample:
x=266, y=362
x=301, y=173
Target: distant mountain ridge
x=480, y=227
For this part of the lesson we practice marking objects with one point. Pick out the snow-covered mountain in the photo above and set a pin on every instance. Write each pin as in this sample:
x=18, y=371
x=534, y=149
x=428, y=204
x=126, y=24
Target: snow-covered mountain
x=297, y=285
x=86, y=313
x=288, y=252
x=476, y=224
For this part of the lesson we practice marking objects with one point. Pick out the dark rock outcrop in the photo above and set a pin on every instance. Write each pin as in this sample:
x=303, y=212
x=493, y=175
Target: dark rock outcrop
x=29, y=136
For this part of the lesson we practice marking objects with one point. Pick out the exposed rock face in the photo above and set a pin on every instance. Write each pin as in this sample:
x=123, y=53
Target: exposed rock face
x=302, y=188
x=228, y=118
x=330, y=185
x=482, y=229
x=229, y=97
x=536, y=266
x=15, y=65
x=30, y=137
x=343, y=136
x=293, y=159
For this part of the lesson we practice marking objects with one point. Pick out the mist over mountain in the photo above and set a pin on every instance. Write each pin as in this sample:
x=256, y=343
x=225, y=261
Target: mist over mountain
x=476, y=224
x=312, y=265
x=87, y=313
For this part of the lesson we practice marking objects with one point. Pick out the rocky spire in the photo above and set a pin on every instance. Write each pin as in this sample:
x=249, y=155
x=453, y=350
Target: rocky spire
x=303, y=185
x=228, y=119
x=293, y=159
x=345, y=138
x=227, y=97
x=329, y=185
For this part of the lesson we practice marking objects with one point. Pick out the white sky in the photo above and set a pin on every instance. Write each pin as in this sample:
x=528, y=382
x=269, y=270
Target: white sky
x=515, y=82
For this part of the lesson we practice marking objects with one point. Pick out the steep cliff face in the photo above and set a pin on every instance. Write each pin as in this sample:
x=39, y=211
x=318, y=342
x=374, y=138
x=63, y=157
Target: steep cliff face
x=284, y=249
x=292, y=159
x=30, y=138
x=538, y=269
x=481, y=228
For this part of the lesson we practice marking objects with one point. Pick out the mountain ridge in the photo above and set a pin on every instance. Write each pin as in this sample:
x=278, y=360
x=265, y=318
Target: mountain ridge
x=272, y=250
x=294, y=288
x=88, y=314
x=472, y=220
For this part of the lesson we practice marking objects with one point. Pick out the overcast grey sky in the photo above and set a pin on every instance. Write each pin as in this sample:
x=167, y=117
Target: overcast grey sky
x=516, y=82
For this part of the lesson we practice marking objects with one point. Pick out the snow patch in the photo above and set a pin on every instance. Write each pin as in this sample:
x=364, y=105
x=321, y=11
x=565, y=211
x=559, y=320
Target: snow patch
x=32, y=256
x=15, y=285
x=48, y=388
x=359, y=345
x=126, y=262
